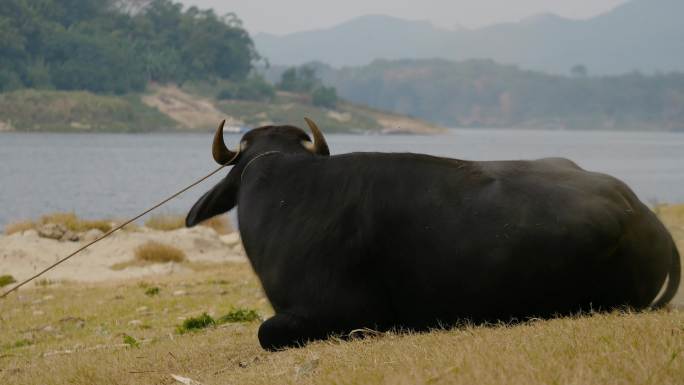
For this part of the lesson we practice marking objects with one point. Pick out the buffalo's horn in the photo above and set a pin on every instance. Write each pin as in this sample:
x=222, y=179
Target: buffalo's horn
x=319, y=147
x=222, y=155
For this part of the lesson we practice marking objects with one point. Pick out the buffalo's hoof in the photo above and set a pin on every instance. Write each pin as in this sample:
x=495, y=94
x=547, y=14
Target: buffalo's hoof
x=285, y=331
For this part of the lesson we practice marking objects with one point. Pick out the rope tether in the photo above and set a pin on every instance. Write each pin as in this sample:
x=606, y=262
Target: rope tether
x=110, y=232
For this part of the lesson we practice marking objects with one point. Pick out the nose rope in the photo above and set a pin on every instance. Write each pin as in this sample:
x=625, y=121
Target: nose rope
x=255, y=158
x=110, y=232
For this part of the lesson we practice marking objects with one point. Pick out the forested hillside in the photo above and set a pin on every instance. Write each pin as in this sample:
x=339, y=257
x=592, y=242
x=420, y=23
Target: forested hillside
x=112, y=46
x=482, y=93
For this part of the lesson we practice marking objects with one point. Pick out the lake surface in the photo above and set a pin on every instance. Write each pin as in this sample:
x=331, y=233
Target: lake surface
x=120, y=175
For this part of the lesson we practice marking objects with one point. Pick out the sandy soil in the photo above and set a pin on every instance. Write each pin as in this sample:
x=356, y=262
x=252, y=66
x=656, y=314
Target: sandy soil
x=24, y=254
x=190, y=111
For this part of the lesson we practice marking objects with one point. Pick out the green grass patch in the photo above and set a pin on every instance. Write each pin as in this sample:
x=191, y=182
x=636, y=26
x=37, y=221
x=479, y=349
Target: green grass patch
x=240, y=315
x=196, y=323
x=23, y=342
x=130, y=341
x=6, y=280
x=205, y=320
x=152, y=291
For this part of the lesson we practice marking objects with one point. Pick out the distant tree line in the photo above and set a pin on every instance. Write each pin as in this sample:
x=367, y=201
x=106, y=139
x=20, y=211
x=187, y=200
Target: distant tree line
x=117, y=46
x=304, y=80
x=482, y=93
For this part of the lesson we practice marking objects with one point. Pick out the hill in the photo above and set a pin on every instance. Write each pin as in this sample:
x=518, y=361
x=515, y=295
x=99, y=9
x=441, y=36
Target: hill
x=483, y=93
x=644, y=35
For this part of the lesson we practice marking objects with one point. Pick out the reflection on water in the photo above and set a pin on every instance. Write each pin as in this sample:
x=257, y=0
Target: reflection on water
x=118, y=175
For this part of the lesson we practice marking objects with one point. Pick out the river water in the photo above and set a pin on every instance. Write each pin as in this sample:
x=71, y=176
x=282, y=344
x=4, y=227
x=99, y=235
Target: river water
x=119, y=175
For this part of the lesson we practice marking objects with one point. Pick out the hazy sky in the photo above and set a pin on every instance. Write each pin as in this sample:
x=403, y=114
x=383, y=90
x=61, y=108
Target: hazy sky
x=285, y=16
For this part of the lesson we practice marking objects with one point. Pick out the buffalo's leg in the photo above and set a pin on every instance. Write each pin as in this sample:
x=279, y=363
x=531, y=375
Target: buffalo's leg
x=286, y=330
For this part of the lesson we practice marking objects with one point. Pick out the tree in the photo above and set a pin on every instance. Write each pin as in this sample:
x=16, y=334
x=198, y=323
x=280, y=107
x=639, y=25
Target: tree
x=298, y=80
x=324, y=97
x=117, y=46
x=253, y=88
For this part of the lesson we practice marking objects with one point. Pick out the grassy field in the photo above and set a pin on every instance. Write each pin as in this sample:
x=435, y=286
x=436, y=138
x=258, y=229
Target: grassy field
x=78, y=111
x=128, y=333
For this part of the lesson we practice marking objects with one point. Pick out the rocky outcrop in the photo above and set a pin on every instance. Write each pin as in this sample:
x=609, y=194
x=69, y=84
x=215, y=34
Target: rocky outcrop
x=57, y=231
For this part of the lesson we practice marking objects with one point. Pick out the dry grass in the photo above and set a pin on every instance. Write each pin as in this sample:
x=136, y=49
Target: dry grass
x=671, y=215
x=156, y=252
x=220, y=224
x=55, y=347
x=76, y=224
x=68, y=220
x=117, y=333
x=131, y=227
x=152, y=252
x=19, y=226
x=165, y=222
x=162, y=222
x=168, y=222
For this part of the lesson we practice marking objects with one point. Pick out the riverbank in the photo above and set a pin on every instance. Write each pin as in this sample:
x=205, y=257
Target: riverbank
x=170, y=108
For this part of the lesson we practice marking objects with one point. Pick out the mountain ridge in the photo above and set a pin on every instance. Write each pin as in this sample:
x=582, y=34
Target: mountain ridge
x=638, y=35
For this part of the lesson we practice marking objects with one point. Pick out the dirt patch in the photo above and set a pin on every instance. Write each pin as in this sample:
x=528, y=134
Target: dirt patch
x=25, y=253
x=190, y=111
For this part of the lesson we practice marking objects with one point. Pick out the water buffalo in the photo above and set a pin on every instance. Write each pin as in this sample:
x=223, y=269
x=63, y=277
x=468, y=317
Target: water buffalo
x=411, y=241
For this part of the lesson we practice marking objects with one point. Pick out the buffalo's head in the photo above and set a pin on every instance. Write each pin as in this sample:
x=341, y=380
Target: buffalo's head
x=255, y=143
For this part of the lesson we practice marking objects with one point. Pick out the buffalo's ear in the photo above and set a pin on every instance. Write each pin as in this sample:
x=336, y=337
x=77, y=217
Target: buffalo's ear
x=218, y=200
